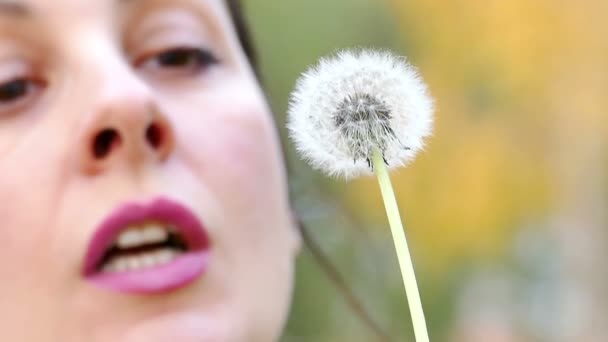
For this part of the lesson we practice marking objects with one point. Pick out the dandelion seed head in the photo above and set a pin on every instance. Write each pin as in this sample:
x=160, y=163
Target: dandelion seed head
x=355, y=102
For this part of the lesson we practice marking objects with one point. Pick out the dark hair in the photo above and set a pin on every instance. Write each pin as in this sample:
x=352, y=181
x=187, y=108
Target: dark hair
x=242, y=30
x=244, y=36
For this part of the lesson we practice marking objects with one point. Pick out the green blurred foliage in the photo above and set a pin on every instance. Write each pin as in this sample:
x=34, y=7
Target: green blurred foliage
x=518, y=85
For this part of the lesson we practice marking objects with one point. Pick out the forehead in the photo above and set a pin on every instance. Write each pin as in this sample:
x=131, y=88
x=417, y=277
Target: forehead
x=32, y=8
x=58, y=17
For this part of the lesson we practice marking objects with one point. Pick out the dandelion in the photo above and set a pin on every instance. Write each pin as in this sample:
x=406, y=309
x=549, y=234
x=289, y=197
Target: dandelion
x=362, y=112
x=349, y=104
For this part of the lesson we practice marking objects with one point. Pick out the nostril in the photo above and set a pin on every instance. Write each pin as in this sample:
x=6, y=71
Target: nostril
x=154, y=135
x=104, y=142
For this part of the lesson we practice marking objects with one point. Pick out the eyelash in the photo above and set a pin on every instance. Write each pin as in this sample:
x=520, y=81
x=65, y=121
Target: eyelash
x=16, y=91
x=182, y=60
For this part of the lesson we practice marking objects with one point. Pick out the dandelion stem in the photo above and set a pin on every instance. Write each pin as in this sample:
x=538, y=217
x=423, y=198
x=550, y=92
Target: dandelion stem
x=403, y=254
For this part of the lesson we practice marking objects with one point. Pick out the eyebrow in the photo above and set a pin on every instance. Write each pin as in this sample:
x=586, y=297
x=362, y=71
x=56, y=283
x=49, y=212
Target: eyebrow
x=16, y=8
x=125, y=1
x=13, y=8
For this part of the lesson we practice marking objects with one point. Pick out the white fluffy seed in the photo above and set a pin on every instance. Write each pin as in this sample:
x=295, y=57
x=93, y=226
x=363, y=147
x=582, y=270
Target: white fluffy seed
x=357, y=102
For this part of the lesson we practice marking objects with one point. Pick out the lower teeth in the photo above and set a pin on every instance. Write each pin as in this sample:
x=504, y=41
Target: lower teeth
x=141, y=261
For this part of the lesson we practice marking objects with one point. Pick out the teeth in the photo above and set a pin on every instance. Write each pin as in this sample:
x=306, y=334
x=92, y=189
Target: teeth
x=164, y=256
x=155, y=234
x=148, y=260
x=141, y=261
x=120, y=265
x=137, y=236
x=108, y=267
x=130, y=238
x=133, y=263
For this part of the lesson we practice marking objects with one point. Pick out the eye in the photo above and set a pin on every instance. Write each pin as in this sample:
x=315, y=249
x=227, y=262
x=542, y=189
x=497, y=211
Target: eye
x=186, y=61
x=13, y=90
x=16, y=92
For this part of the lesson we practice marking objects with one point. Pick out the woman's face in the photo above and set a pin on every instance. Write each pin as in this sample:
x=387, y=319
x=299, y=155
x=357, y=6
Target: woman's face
x=142, y=192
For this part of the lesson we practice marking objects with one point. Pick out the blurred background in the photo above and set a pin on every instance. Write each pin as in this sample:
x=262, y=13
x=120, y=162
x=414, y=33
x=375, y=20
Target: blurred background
x=506, y=210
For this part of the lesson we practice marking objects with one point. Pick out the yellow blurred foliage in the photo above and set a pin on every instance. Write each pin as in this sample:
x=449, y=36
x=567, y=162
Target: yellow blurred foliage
x=509, y=78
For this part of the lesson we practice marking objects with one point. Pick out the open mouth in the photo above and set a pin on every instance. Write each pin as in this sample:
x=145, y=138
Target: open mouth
x=147, y=248
x=142, y=247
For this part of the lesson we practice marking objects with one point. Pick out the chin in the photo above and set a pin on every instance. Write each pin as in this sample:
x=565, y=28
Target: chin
x=185, y=327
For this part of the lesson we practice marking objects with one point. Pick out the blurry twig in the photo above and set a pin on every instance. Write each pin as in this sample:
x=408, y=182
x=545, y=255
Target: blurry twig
x=339, y=282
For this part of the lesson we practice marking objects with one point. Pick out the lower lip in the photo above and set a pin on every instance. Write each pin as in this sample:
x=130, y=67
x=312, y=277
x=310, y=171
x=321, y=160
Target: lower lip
x=178, y=273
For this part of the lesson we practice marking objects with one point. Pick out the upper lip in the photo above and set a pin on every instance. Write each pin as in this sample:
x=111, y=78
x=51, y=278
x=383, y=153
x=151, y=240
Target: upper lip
x=161, y=210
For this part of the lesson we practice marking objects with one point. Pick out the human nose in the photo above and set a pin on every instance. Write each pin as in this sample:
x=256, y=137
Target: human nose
x=126, y=127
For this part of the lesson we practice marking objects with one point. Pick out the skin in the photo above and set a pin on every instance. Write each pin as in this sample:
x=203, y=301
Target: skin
x=85, y=66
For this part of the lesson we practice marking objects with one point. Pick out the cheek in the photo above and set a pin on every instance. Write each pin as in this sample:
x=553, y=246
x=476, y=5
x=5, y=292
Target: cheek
x=24, y=198
x=246, y=162
x=235, y=152
x=28, y=200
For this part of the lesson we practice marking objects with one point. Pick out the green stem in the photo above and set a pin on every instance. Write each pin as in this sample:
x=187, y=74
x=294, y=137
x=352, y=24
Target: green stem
x=403, y=254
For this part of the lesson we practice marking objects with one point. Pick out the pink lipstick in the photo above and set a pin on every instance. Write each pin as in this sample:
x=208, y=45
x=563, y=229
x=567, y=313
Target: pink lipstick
x=147, y=248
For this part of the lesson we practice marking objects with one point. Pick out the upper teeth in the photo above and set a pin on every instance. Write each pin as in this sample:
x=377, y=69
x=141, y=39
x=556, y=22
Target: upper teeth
x=142, y=235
